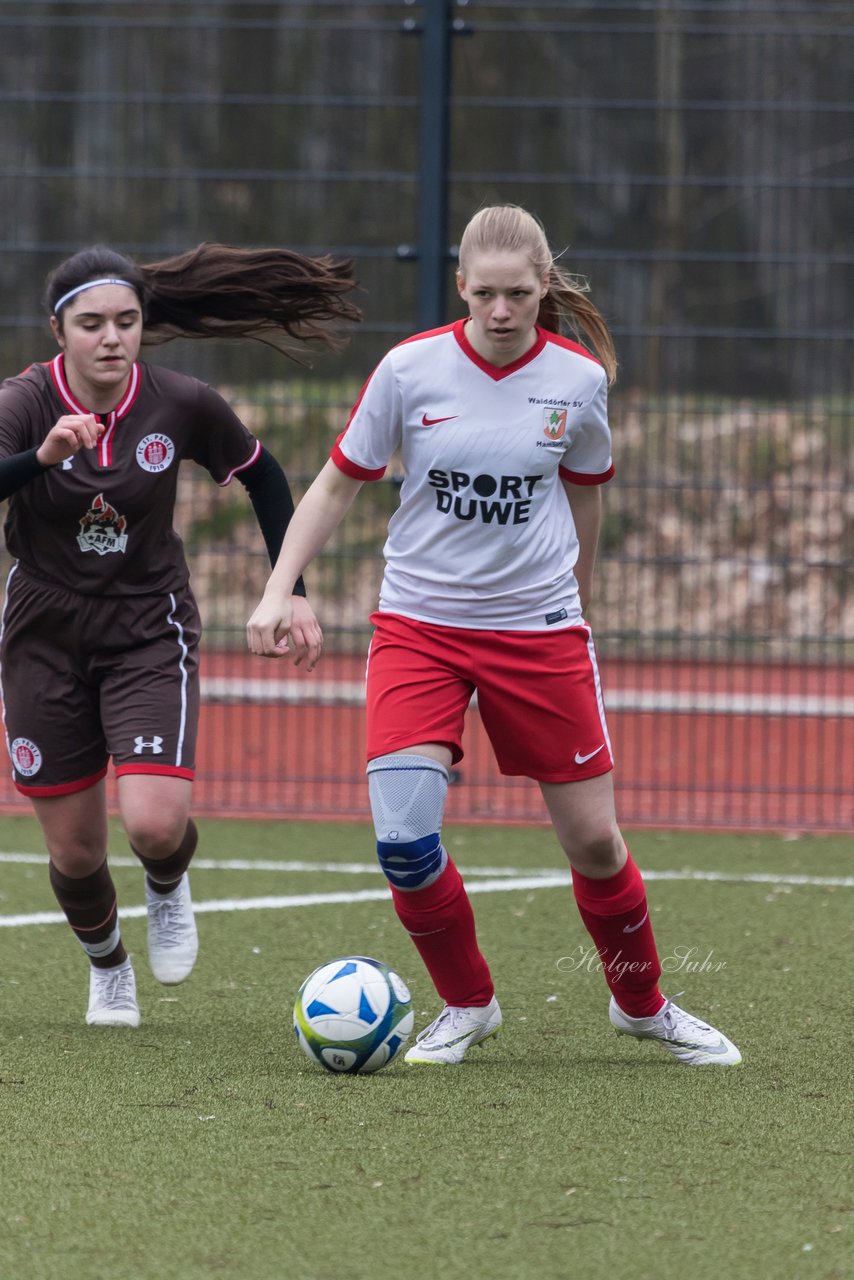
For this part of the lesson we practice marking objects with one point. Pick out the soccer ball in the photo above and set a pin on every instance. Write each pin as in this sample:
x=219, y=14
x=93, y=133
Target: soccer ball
x=353, y=1015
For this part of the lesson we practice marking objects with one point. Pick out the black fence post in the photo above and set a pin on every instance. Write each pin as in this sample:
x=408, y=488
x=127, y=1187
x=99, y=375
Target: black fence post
x=433, y=167
x=431, y=250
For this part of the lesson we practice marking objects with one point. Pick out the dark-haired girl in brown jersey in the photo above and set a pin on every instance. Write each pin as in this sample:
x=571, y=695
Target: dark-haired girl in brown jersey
x=100, y=630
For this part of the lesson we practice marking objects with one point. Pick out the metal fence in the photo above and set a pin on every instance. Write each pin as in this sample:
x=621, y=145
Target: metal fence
x=692, y=158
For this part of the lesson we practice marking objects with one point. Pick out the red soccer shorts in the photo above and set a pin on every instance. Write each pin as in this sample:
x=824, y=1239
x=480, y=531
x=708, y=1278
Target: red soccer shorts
x=538, y=695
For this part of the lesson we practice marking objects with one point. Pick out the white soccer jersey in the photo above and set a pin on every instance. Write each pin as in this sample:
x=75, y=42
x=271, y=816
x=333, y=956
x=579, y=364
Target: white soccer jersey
x=483, y=536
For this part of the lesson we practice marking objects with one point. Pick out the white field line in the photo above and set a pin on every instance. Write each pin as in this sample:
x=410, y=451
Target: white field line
x=352, y=693
x=540, y=873
x=277, y=902
x=256, y=864
x=513, y=880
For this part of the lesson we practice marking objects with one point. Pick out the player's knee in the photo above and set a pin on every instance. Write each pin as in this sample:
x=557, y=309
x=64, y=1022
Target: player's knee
x=156, y=835
x=408, y=795
x=412, y=864
x=77, y=860
x=596, y=849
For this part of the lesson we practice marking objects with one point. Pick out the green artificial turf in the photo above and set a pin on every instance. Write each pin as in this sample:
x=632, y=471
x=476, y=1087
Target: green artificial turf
x=204, y=1144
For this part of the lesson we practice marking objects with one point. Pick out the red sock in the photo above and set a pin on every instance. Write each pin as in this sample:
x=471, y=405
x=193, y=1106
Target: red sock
x=616, y=915
x=440, y=921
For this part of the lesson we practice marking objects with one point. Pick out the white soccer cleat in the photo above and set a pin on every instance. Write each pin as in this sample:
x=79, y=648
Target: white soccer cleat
x=693, y=1042
x=112, y=997
x=173, y=941
x=448, y=1039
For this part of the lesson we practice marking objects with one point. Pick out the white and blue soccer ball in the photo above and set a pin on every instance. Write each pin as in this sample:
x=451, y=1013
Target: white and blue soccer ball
x=353, y=1015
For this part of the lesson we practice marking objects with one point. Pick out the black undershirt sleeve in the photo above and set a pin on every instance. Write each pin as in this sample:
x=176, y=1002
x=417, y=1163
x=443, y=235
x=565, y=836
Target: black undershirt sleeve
x=18, y=470
x=270, y=495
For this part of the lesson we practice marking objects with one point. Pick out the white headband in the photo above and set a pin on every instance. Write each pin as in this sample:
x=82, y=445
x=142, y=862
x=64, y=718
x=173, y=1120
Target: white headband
x=90, y=284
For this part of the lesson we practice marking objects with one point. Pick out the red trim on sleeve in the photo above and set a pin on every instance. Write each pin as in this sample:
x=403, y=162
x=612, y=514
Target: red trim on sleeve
x=340, y=458
x=164, y=770
x=352, y=469
x=582, y=477
x=62, y=788
x=253, y=457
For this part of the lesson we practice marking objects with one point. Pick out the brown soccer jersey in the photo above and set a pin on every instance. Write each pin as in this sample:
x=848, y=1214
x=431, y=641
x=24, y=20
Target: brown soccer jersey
x=100, y=523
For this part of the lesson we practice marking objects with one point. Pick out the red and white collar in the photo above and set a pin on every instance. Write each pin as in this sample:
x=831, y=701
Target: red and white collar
x=497, y=372
x=105, y=444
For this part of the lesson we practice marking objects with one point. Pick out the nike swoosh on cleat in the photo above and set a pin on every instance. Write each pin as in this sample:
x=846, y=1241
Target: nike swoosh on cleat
x=580, y=759
x=720, y=1047
x=633, y=928
x=431, y=422
x=449, y=1044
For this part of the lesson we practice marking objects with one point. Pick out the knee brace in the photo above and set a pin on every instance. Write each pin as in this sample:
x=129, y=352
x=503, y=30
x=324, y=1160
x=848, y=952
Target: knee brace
x=408, y=803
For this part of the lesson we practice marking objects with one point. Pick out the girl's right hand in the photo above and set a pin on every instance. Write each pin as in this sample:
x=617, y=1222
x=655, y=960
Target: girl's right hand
x=268, y=629
x=70, y=434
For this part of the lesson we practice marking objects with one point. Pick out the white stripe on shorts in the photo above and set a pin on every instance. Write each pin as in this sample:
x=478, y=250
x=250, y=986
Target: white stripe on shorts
x=600, y=702
x=2, y=629
x=173, y=621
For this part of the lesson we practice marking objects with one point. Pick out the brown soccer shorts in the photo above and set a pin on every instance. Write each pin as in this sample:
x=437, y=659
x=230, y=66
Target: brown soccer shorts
x=86, y=678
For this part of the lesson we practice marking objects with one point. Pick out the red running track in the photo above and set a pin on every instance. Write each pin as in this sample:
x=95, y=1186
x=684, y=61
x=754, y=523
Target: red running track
x=702, y=745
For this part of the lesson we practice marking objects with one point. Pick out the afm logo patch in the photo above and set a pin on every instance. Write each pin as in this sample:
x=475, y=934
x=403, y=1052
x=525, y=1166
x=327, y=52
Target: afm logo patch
x=102, y=529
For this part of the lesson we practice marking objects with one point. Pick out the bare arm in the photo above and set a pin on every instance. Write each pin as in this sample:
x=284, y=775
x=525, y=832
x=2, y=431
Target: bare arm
x=317, y=516
x=585, y=502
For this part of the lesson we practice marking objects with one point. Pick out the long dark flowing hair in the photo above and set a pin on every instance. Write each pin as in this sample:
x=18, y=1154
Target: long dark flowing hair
x=508, y=226
x=275, y=296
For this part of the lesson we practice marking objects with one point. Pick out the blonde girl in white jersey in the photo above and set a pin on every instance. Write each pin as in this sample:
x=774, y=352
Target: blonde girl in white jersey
x=501, y=426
